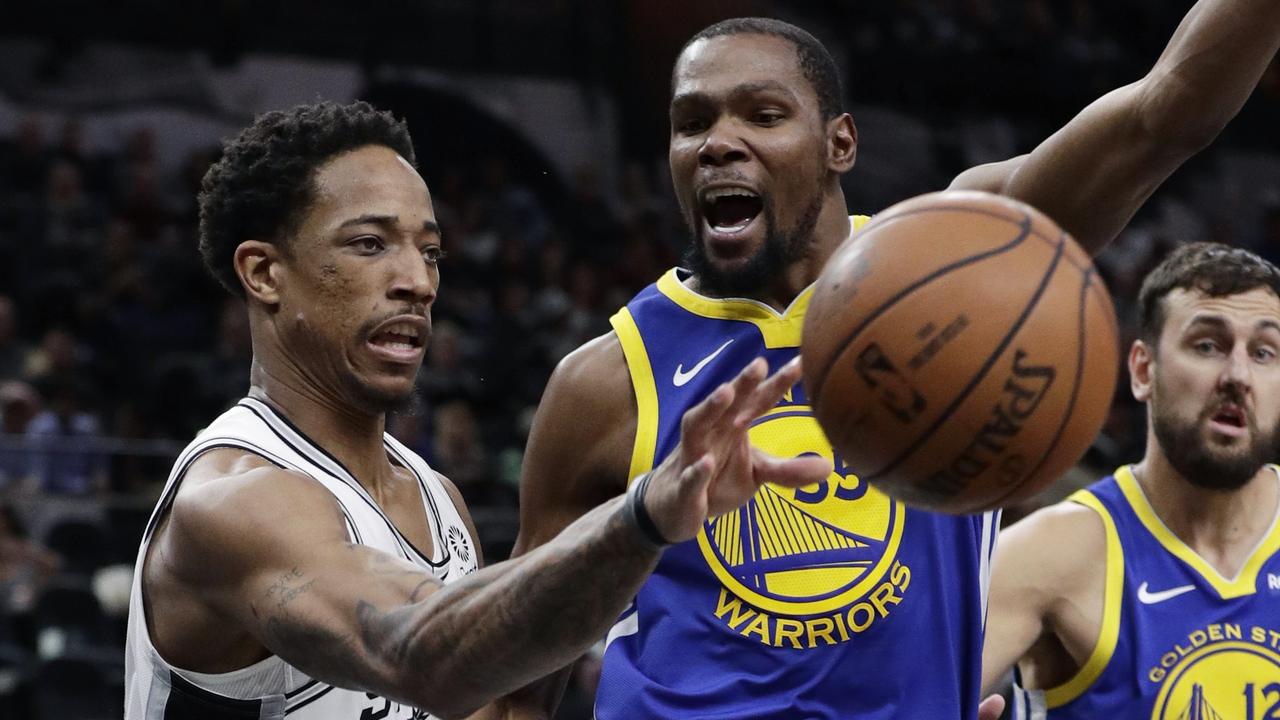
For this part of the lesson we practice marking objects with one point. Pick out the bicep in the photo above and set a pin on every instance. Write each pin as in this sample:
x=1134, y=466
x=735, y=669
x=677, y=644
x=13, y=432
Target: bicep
x=300, y=588
x=1093, y=174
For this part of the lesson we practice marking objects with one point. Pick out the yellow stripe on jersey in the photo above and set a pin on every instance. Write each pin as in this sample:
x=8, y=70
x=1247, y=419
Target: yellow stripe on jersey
x=778, y=329
x=1111, y=597
x=1244, y=583
x=646, y=443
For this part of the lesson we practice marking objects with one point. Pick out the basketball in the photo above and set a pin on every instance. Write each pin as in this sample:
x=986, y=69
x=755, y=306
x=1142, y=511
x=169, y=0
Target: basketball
x=960, y=351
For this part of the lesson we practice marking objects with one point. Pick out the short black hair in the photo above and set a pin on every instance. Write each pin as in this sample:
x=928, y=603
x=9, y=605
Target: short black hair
x=264, y=181
x=1214, y=269
x=815, y=62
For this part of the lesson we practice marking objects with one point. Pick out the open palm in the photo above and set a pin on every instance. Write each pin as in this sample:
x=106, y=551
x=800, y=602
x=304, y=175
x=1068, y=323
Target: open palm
x=715, y=468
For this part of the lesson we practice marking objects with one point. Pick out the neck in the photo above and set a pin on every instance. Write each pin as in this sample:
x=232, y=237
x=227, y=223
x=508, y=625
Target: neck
x=355, y=438
x=1222, y=526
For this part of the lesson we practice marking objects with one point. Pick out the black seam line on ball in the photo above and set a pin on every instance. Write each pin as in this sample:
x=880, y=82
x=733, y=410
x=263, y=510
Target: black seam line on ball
x=982, y=372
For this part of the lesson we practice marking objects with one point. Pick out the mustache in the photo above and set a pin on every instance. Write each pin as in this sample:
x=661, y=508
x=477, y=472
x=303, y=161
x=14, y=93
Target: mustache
x=1229, y=395
x=421, y=310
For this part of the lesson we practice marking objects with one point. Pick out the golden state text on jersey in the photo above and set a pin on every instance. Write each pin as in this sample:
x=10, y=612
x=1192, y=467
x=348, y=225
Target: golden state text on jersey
x=829, y=601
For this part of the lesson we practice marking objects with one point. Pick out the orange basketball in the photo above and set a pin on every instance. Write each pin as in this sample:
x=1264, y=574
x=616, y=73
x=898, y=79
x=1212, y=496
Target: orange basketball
x=960, y=351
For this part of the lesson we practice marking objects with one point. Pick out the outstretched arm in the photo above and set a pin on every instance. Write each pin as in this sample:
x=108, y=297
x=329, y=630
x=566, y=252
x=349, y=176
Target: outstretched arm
x=359, y=618
x=1093, y=174
x=1046, y=596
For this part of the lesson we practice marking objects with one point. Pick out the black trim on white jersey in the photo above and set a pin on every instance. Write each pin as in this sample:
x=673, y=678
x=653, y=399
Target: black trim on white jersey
x=188, y=701
x=343, y=474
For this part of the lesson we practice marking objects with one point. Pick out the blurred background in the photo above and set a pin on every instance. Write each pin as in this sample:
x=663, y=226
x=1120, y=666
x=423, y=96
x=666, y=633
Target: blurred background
x=541, y=130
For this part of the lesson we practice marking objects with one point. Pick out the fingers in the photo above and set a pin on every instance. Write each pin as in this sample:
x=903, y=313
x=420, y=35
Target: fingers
x=766, y=394
x=699, y=418
x=789, y=472
x=991, y=708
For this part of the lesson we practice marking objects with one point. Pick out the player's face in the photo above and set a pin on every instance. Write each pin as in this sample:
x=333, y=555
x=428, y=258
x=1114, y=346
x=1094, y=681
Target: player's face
x=356, y=312
x=1215, y=400
x=748, y=158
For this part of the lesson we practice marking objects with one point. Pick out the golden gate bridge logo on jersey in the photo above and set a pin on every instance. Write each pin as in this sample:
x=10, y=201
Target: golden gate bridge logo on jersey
x=1225, y=671
x=828, y=550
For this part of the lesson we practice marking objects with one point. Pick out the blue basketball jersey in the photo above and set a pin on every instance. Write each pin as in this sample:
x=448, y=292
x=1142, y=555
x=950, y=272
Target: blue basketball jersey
x=830, y=601
x=1178, y=640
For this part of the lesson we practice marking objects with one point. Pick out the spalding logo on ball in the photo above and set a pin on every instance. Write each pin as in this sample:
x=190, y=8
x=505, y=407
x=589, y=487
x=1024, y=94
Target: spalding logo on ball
x=960, y=351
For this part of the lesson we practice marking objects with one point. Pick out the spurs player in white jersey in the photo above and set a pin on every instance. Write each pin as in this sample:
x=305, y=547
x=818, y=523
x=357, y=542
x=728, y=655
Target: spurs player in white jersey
x=303, y=564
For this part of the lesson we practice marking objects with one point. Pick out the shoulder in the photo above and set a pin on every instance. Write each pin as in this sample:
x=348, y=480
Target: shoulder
x=594, y=376
x=234, y=506
x=1055, y=548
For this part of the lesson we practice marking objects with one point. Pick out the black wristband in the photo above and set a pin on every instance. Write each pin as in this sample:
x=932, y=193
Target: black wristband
x=639, y=515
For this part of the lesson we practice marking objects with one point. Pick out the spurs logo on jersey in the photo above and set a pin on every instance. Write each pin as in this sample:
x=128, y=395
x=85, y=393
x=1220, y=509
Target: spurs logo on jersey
x=808, y=566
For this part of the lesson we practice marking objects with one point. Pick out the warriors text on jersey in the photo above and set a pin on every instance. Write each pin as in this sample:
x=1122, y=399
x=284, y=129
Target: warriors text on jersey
x=830, y=601
x=1178, y=639
x=272, y=689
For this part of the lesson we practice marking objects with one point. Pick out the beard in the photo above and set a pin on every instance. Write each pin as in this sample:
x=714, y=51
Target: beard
x=779, y=250
x=1202, y=465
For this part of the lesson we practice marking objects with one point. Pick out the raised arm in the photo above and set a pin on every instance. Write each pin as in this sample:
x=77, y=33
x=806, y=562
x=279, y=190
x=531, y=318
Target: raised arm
x=1094, y=173
x=1046, y=596
x=358, y=618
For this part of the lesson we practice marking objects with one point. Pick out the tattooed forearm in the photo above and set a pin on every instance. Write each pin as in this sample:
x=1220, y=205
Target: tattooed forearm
x=518, y=620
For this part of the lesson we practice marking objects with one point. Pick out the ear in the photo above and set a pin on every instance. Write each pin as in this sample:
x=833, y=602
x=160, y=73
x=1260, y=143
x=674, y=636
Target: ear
x=259, y=268
x=842, y=143
x=1142, y=372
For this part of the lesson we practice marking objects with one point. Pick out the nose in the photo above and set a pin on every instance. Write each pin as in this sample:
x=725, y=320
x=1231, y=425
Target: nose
x=415, y=280
x=1239, y=369
x=721, y=147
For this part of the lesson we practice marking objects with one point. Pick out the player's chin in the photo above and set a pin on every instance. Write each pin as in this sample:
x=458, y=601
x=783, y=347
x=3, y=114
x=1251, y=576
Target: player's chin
x=389, y=394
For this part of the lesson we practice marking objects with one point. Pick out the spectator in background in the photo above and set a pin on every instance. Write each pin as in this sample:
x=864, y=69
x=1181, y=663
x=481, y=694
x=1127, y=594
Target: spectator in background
x=446, y=375
x=62, y=463
x=458, y=452
x=25, y=566
x=13, y=351
x=19, y=405
x=24, y=162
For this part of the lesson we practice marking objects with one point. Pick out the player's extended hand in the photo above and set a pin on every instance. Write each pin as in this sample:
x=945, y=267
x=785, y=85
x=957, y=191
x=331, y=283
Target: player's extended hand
x=991, y=708
x=715, y=469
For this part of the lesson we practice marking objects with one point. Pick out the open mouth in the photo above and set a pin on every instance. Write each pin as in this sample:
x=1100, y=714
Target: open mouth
x=399, y=339
x=731, y=209
x=1229, y=419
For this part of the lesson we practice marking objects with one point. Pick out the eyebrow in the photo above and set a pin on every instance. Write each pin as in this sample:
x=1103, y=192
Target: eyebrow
x=428, y=226
x=748, y=88
x=1220, y=323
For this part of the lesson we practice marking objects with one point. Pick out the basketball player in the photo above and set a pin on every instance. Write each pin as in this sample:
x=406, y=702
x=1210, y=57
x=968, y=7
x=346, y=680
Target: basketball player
x=832, y=600
x=301, y=562
x=1156, y=591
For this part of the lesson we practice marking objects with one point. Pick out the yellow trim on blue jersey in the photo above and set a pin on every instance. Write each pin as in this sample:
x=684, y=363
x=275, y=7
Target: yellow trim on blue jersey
x=1245, y=582
x=646, y=443
x=1112, y=595
x=779, y=330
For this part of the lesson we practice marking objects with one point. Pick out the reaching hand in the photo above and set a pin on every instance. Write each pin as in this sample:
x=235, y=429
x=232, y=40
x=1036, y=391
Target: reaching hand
x=991, y=708
x=715, y=469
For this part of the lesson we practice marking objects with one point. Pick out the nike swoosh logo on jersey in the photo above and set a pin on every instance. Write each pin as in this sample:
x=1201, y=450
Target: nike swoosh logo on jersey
x=1151, y=598
x=681, y=377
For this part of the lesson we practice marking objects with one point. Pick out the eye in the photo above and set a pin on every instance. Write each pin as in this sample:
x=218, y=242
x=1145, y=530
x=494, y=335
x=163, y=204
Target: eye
x=433, y=254
x=768, y=118
x=1205, y=347
x=368, y=244
x=691, y=126
x=1264, y=354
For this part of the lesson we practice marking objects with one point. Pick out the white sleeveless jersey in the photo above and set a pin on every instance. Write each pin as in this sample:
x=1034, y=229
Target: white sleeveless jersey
x=272, y=689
